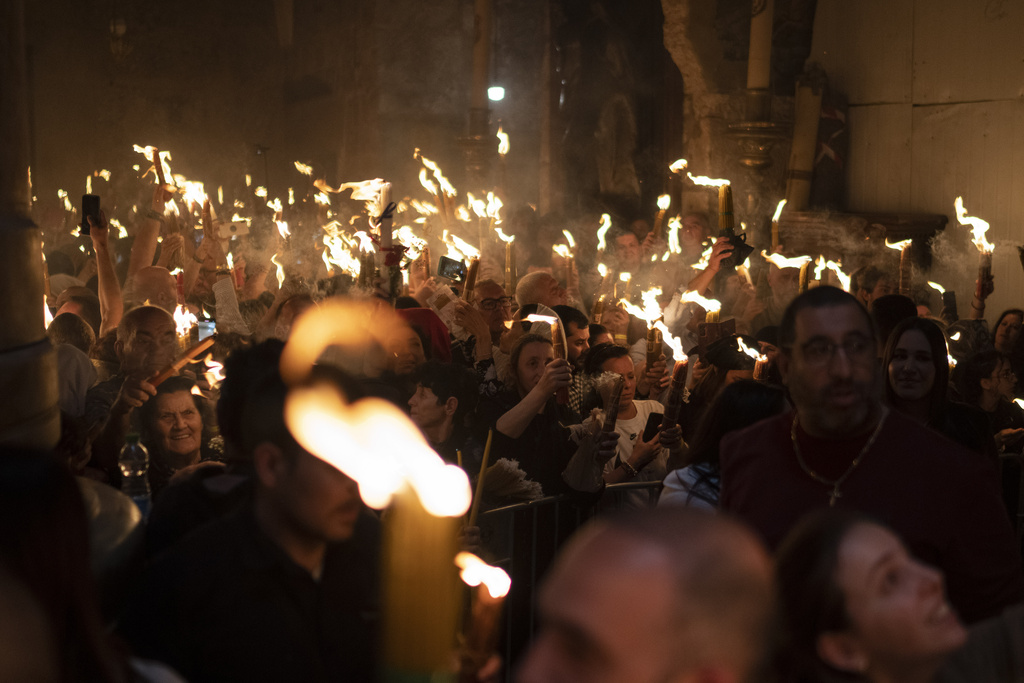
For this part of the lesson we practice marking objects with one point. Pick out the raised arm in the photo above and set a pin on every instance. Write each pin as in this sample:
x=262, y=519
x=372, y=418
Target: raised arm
x=109, y=289
x=144, y=247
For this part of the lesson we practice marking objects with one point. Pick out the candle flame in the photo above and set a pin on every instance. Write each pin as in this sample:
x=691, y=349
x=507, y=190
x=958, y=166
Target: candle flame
x=677, y=166
x=561, y=250
x=743, y=348
x=937, y=286
x=67, y=202
x=280, y=271
x=705, y=256
x=465, y=249
x=651, y=310
x=503, y=146
x=538, y=318
x=978, y=227
x=844, y=279
x=231, y=261
x=602, y=269
x=705, y=181
x=446, y=186
x=625, y=277
x=819, y=267
x=303, y=168
x=503, y=237
x=606, y=225
x=674, y=342
x=479, y=205
x=47, y=315
x=214, y=371
x=121, y=232
x=674, y=225
x=664, y=201
x=569, y=239
x=184, y=319
x=365, y=242
x=1019, y=402
x=282, y=228
x=956, y=337
x=196, y=391
x=427, y=183
x=475, y=572
x=710, y=305
x=493, y=206
x=780, y=261
x=778, y=211
x=899, y=246
x=260, y=191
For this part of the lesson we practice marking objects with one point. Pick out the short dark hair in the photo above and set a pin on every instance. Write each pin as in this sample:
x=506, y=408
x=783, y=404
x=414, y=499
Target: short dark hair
x=243, y=371
x=447, y=380
x=889, y=311
x=976, y=368
x=68, y=328
x=818, y=297
x=90, y=310
x=571, y=314
x=600, y=354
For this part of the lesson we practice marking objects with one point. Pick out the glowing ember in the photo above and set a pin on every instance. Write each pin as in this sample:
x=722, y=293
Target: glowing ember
x=710, y=305
x=978, y=227
x=780, y=261
x=184, y=319
x=569, y=239
x=664, y=201
x=899, y=246
x=936, y=286
x=705, y=181
x=303, y=168
x=606, y=225
x=475, y=572
x=503, y=145
x=677, y=166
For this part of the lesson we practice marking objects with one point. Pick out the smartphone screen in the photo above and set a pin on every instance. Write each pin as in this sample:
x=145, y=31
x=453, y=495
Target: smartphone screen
x=90, y=207
x=653, y=422
x=451, y=269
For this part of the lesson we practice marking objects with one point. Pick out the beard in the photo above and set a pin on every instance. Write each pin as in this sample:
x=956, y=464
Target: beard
x=839, y=409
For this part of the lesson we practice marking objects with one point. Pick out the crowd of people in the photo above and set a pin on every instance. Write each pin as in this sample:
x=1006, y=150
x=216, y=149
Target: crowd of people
x=838, y=499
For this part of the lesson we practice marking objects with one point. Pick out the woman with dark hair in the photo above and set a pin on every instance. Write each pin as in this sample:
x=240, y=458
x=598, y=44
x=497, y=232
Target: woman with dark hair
x=738, y=405
x=855, y=605
x=174, y=430
x=1007, y=330
x=917, y=383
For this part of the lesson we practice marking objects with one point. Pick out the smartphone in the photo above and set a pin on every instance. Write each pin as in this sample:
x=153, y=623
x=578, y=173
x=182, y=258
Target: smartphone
x=90, y=207
x=207, y=328
x=451, y=269
x=653, y=423
x=228, y=230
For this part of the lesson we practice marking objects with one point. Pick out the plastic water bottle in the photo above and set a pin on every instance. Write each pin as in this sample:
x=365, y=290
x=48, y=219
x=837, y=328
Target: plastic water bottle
x=134, y=464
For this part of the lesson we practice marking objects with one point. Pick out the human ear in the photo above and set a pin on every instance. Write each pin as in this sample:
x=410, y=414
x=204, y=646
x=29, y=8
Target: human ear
x=270, y=464
x=451, y=405
x=842, y=651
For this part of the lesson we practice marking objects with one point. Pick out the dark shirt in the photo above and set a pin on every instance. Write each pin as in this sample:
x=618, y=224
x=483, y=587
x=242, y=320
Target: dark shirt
x=942, y=500
x=227, y=604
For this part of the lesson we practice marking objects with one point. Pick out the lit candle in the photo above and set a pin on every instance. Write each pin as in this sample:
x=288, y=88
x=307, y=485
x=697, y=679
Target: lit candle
x=674, y=403
x=664, y=201
x=775, y=225
x=653, y=346
x=493, y=585
x=470, y=284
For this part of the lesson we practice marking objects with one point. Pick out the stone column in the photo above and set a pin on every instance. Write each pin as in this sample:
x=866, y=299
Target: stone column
x=28, y=366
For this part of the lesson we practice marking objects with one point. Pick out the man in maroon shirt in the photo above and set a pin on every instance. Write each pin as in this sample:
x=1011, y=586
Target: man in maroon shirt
x=843, y=447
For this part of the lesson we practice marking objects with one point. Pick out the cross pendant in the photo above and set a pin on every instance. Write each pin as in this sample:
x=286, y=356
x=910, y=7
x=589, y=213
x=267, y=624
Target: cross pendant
x=832, y=498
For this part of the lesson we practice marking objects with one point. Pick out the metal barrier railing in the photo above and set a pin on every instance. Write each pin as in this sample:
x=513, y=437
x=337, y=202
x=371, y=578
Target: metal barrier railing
x=526, y=537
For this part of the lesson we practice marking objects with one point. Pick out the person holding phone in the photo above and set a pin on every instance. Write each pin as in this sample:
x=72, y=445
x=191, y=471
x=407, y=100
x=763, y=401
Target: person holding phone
x=643, y=448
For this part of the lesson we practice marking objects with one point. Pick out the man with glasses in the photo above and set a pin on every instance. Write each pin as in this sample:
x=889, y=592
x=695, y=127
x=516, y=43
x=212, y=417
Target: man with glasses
x=484, y=319
x=842, y=447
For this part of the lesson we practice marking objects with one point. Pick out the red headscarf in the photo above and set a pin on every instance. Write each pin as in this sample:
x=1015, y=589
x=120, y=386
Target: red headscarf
x=432, y=327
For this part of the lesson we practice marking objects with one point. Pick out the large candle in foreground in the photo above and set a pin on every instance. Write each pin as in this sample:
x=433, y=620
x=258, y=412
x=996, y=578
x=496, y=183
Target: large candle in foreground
x=481, y=636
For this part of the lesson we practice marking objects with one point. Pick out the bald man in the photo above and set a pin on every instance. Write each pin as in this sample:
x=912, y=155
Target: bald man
x=540, y=288
x=660, y=596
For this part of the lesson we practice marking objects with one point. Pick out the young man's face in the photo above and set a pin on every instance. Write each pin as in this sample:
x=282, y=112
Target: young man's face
x=577, y=340
x=627, y=249
x=317, y=500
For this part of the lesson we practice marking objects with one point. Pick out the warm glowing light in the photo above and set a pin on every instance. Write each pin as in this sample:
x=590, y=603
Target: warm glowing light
x=625, y=277
x=606, y=225
x=365, y=242
x=664, y=201
x=673, y=342
x=1019, y=402
x=47, y=315
x=955, y=337
x=705, y=257
x=503, y=146
x=465, y=249
x=248, y=180
x=67, y=202
x=503, y=237
x=710, y=305
x=282, y=228
x=446, y=186
x=978, y=227
x=479, y=206
x=261, y=191
x=462, y=213
x=743, y=348
x=291, y=196
x=677, y=166
x=561, y=250
x=602, y=270
x=121, y=232
x=819, y=267
x=844, y=279
x=184, y=319
x=280, y=271
x=778, y=211
x=495, y=93
x=214, y=371
x=651, y=309
x=493, y=206
x=322, y=199
x=937, y=287
x=538, y=318
x=705, y=181
x=569, y=239
x=674, y=226
x=303, y=168
x=475, y=572
x=780, y=261
x=105, y=174
x=899, y=246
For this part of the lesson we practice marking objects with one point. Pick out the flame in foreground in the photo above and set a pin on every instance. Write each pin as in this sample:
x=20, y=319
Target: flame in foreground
x=47, y=315
x=956, y=337
x=778, y=211
x=651, y=310
x=184, y=319
x=899, y=246
x=705, y=181
x=937, y=287
x=978, y=227
x=475, y=572
x=710, y=305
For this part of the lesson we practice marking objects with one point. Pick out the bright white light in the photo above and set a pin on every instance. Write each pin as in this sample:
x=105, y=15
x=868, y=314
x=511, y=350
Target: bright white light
x=496, y=93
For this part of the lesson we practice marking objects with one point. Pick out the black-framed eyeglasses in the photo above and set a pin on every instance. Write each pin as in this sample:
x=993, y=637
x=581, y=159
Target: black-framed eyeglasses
x=491, y=304
x=857, y=349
